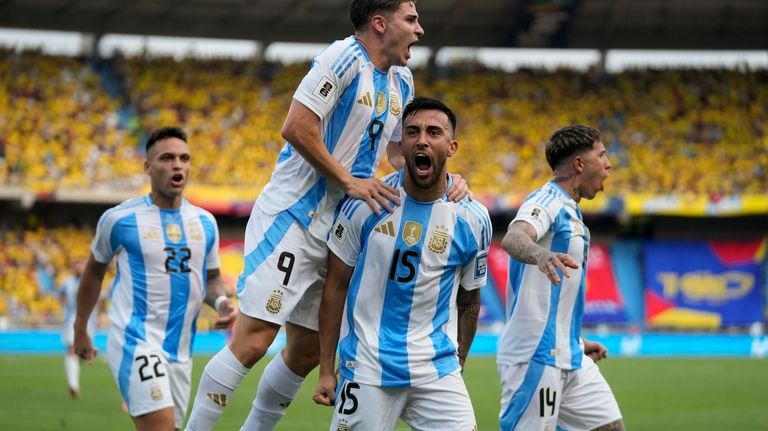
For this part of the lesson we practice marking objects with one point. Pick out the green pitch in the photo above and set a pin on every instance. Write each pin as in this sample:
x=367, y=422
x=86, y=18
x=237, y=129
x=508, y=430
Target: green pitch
x=654, y=394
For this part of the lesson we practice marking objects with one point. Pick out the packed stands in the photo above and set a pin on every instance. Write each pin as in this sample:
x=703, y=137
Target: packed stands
x=700, y=132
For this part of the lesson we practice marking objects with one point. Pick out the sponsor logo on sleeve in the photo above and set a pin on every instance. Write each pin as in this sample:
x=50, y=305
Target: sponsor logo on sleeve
x=340, y=233
x=324, y=89
x=481, y=266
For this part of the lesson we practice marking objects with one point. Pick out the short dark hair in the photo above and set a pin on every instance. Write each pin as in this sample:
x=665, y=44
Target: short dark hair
x=422, y=103
x=568, y=141
x=361, y=11
x=165, y=133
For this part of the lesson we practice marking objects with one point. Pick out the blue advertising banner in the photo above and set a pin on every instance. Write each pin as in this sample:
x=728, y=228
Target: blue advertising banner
x=703, y=284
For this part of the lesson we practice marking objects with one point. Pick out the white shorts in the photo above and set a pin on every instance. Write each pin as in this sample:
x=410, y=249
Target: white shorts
x=442, y=404
x=284, y=271
x=147, y=381
x=537, y=396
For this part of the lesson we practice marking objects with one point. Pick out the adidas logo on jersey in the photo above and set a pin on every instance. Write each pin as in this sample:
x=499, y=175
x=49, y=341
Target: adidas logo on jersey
x=366, y=100
x=220, y=399
x=387, y=228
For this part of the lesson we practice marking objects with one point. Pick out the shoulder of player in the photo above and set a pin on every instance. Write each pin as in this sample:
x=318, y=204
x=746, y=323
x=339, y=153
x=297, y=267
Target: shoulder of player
x=123, y=209
x=472, y=211
x=341, y=55
x=549, y=198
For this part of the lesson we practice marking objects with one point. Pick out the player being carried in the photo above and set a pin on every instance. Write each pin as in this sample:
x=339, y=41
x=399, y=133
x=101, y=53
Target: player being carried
x=344, y=113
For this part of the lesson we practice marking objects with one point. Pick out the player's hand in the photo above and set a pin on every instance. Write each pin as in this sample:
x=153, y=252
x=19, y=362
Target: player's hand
x=459, y=189
x=84, y=345
x=595, y=350
x=550, y=263
x=325, y=393
x=375, y=193
x=227, y=314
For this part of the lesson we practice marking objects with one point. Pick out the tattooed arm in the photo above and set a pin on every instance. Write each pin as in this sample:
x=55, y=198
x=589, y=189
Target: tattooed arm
x=468, y=303
x=519, y=243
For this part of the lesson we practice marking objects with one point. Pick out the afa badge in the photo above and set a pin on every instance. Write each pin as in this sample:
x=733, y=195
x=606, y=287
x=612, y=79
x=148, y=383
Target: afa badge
x=155, y=392
x=173, y=231
x=438, y=241
x=275, y=301
x=195, y=234
x=412, y=232
x=394, y=103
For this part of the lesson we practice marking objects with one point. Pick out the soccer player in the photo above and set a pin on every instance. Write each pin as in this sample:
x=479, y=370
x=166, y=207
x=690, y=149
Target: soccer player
x=548, y=374
x=346, y=110
x=68, y=298
x=167, y=265
x=411, y=283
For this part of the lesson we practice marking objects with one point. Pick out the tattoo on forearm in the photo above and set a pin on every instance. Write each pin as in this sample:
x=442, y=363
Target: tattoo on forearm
x=468, y=314
x=613, y=426
x=522, y=250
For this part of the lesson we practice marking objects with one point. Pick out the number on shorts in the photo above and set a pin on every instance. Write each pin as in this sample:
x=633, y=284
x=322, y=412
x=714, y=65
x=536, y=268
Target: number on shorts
x=544, y=399
x=285, y=264
x=346, y=393
x=145, y=364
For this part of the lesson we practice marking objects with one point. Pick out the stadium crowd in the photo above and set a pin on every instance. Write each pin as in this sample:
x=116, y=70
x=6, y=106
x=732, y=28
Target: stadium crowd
x=678, y=131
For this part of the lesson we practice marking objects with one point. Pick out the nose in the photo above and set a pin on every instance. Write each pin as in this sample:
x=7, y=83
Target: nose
x=419, y=30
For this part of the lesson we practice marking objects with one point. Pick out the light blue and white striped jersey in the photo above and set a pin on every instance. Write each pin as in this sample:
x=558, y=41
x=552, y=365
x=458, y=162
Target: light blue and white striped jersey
x=162, y=259
x=68, y=293
x=360, y=109
x=400, y=320
x=544, y=319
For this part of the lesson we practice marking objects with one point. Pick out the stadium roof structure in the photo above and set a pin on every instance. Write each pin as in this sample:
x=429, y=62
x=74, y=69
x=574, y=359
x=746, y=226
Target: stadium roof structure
x=592, y=24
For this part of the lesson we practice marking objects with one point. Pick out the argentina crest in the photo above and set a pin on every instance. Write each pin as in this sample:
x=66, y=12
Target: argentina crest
x=438, y=241
x=412, y=232
x=173, y=231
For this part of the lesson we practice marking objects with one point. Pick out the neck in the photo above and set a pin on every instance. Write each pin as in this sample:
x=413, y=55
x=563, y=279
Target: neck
x=569, y=183
x=420, y=194
x=374, y=49
x=165, y=202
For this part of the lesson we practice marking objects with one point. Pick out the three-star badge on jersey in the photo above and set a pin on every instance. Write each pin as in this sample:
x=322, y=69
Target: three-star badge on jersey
x=438, y=241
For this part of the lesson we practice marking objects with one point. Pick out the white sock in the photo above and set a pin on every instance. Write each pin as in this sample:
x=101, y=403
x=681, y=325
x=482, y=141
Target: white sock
x=72, y=370
x=277, y=388
x=222, y=375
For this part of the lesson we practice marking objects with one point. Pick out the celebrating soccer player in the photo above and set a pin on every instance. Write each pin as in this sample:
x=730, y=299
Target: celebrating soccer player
x=548, y=374
x=411, y=283
x=167, y=254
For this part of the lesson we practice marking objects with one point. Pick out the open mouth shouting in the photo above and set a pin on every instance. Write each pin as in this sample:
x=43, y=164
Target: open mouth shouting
x=423, y=164
x=177, y=180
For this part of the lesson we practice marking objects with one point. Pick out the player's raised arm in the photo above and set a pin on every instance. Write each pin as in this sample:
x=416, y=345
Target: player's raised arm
x=468, y=303
x=329, y=321
x=87, y=297
x=519, y=243
x=301, y=130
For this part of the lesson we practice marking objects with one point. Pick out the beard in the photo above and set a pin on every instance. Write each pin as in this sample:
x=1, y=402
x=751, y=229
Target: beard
x=425, y=183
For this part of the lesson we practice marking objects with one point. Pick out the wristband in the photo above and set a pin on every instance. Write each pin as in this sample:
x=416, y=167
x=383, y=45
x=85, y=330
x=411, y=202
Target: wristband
x=219, y=301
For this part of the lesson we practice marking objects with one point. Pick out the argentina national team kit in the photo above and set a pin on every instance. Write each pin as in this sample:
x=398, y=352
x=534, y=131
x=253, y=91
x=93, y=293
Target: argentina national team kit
x=541, y=357
x=162, y=259
x=360, y=111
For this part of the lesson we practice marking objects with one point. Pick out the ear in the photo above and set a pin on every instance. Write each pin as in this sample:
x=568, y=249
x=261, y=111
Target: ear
x=453, y=148
x=379, y=23
x=577, y=163
x=146, y=166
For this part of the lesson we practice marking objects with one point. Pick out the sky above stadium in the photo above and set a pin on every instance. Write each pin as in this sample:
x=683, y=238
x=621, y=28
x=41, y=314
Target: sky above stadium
x=69, y=43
